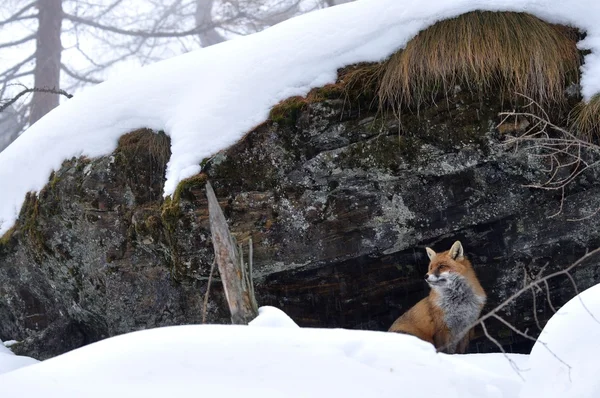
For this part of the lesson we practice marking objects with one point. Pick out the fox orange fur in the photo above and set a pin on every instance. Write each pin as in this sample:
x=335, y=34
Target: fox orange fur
x=454, y=302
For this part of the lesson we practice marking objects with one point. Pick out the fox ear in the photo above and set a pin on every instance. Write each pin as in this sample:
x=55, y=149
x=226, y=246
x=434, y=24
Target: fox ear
x=430, y=253
x=457, y=252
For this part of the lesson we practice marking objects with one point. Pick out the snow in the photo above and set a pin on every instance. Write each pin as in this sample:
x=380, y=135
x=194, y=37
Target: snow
x=10, y=343
x=10, y=361
x=207, y=99
x=564, y=360
x=271, y=317
x=4, y=349
x=263, y=361
x=273, y=357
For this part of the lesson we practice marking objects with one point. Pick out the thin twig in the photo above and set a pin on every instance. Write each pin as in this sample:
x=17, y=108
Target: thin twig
x=497, y=343
x=205, y=304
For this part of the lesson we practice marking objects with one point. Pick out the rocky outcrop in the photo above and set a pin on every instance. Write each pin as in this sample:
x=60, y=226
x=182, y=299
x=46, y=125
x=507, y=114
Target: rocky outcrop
x=340, y=202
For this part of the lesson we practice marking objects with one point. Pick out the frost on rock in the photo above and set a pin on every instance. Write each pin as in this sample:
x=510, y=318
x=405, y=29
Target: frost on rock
x=195, y=98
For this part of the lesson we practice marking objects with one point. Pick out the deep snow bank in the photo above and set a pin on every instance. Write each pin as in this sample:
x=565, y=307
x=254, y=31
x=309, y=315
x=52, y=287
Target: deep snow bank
x=261, y=361
x=564, y=361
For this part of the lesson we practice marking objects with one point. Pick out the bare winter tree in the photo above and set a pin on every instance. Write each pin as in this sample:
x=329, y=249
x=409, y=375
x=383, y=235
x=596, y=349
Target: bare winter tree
x=69, y=44
x=47, y=57
x=204, y=17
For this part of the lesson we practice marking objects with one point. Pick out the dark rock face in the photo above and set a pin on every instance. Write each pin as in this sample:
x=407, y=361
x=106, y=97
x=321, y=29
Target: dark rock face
x=339, y=205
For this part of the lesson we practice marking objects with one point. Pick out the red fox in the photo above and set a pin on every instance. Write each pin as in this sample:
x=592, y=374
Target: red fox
x=454, y=302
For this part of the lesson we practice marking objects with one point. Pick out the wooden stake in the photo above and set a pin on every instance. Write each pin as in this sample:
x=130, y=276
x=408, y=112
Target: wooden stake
x=236, y=276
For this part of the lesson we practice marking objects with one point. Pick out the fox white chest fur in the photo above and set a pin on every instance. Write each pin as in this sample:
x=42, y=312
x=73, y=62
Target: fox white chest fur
x=460, y=304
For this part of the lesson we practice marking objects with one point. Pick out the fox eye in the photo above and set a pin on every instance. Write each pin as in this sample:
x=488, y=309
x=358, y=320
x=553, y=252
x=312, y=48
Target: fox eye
x=443, y=266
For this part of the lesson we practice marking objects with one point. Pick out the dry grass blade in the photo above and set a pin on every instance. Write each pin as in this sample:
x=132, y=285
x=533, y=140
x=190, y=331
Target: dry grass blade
x=585, y=119
x=516, y=51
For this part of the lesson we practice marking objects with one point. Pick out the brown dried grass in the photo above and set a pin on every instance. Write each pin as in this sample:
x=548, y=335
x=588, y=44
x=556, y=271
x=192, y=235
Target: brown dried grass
x=515, y=52
x=585, y=119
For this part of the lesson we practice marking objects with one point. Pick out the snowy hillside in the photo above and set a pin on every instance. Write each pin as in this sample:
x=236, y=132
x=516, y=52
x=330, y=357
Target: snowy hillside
x=206, y=100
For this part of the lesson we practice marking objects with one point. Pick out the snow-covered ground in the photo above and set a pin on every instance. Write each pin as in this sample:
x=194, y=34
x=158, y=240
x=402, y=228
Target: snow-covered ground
x=207, y=99
x=273, y=357
x=565, y=361
x=10, y=361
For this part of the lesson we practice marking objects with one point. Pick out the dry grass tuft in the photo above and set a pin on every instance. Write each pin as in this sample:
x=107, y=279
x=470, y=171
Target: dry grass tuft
x=146, y=141
x=360, y=84
x=585, y=119
x=357, y=85
x=515, y=52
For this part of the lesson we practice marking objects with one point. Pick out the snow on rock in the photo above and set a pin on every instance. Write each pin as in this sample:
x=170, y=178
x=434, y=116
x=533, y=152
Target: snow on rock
x=4, y=349
x=571, y=368
x=9, y=361
x=272, y=317
x=224, y=361
x=207, y=99
x=10, y=343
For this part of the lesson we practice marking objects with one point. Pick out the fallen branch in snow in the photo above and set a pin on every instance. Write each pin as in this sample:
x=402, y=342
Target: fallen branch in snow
x=236, y=276
x=33, y=90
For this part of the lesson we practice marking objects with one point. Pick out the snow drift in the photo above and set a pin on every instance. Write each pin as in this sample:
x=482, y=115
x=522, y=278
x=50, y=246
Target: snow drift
x=273, y=357
x=564, y=360
x=262, y=361
x=10, y=361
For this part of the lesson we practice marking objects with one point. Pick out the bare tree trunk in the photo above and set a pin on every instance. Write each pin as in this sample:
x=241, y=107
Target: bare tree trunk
x=208, y=35
x=236, y=276
x=47, y=58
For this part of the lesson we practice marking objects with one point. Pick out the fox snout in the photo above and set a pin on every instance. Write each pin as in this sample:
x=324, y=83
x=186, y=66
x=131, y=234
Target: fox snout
x=437, y=278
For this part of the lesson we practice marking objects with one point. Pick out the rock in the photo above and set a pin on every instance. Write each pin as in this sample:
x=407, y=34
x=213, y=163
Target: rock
x=340, y=202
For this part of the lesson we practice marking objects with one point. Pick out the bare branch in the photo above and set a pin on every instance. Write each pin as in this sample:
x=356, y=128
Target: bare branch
x=580, y=300
x=16, y=67
x=15, y=76
x=535, y=315
x=497, y=343
x=535, y=283
x=17, y=42
x=138, y=33
x=82, y=78
x=568, y=155
x=548, y=295
x=17, y=16
x=33, y=90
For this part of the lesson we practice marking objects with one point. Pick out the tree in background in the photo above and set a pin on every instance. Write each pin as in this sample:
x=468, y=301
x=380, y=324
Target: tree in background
x=69, y=44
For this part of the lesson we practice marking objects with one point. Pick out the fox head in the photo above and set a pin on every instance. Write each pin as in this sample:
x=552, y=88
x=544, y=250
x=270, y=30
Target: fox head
x=446, y=267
